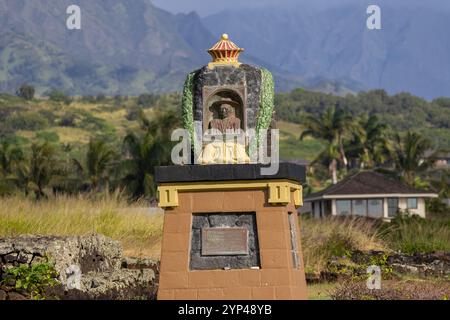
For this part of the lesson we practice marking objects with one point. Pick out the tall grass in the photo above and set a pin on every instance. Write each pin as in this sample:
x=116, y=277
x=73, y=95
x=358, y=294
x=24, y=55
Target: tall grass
x=336, y=236
x=411, y=234
x=140, y=231
x=133, y=225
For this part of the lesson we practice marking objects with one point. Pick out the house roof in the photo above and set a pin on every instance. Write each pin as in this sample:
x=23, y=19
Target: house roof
x=367, y=183
x=439, y=155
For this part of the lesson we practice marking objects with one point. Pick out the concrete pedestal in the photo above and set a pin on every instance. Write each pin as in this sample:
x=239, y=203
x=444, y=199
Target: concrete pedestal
x=233, y=200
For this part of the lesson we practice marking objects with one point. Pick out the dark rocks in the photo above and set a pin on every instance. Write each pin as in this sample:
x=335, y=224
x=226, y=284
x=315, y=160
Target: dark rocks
x=16, y=296
x=90, y=253
x=139, y=263
x=419, y=264
x=114, y=285
x=245, y=76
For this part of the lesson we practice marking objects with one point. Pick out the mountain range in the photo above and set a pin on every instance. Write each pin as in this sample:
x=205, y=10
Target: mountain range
x=131, y=47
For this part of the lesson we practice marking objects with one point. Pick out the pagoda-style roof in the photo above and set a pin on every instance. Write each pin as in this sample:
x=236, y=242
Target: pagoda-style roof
x=224, y=52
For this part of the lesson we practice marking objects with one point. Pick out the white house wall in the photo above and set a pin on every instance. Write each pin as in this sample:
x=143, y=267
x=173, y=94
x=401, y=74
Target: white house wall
x=402, y=204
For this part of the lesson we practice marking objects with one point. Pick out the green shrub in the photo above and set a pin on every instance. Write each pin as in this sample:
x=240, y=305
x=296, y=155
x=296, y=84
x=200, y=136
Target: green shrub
x=88, y=99
x=147, y=100
x=49, y=136
x=435, y=205
x=50, y=116
x=28, y=121
x=35, y=279
x=26, y=92
x=68, y=119
x=133, y=113
x=59, y=96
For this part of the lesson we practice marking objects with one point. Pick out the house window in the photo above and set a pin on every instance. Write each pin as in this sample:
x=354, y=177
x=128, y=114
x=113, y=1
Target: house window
x=359, y=207
x=343, y=207
x=375, y=208
x=411, y=203
x=392, y=206
x=316, y=209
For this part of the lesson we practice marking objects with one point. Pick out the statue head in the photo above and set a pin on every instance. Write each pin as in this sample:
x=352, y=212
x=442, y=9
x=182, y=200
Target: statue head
x=225, y=107
x=225, y=110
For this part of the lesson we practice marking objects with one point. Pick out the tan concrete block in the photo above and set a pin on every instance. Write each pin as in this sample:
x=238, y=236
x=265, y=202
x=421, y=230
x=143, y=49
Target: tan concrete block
x=210, y=294
x=296, y=277
x=165, y=295
x=237, y=293
x=178, y=223
x=225, y=278
x=275, y=277
x=269, y=239
x=260, y=199
x=173, y=280
x=272, y=220
x=185, y=294
x=275, y=259
x=185, y=201
x=250, y=278
x=283, y=293
x=175, y=261
x=263, y=293
x=204, y=202
x=175, y=241
x=201, y=279
x=238, y=201
x=300, y=292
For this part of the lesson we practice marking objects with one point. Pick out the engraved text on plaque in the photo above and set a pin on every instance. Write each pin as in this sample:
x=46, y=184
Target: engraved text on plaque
x=224, y=241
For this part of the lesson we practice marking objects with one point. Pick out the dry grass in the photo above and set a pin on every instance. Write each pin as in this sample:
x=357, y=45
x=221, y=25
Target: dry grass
x=324, y=238
x=140, y=231
x=134, y=226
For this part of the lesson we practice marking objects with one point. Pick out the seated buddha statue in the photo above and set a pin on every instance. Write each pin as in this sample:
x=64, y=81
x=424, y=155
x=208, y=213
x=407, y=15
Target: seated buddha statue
x=224, y=151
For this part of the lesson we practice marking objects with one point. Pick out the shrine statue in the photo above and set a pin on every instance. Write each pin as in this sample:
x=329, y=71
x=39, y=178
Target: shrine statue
x=223, y=151
x=228, y=119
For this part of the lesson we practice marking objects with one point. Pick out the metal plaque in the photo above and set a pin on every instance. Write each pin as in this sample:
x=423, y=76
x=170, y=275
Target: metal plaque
x=224, y=241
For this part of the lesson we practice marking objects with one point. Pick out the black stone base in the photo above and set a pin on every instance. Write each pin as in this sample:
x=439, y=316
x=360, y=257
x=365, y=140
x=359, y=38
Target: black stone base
x=220, y=220
x=227, y=172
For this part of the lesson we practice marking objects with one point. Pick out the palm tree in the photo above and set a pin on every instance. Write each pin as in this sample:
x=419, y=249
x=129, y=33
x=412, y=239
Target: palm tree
x=410, y=155
x=96, y=164
x=332, y=126
x=145, y=151
x=329, y=158
x=39, y=171
x=370, y=144
x=10, y=156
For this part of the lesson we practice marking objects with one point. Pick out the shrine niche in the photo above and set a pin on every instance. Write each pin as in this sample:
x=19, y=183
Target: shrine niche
x=216, y=101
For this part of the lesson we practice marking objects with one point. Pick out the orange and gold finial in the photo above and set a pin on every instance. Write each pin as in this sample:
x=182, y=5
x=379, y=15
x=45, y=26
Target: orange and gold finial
x=224, y=52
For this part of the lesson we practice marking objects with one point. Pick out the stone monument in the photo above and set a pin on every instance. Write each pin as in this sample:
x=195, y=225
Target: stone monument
x=230, y=232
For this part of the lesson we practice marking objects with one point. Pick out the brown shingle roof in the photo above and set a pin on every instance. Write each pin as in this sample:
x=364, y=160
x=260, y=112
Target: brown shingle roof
x=367, y=182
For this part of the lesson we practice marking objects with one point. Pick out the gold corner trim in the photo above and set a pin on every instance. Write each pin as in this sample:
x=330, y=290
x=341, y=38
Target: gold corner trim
x=279, y=190
x=298, y=197
x=168, y=196
x=279, y=193
x=212, y=65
